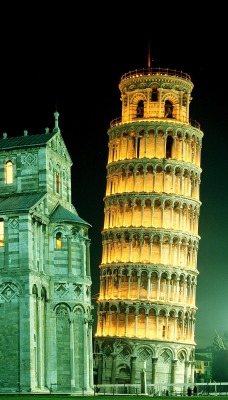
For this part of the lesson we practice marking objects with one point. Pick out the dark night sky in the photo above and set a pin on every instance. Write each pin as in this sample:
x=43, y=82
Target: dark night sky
x=62, y=59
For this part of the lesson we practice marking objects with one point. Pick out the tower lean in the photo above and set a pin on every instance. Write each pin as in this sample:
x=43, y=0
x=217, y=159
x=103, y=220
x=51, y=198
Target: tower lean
x=148, y=272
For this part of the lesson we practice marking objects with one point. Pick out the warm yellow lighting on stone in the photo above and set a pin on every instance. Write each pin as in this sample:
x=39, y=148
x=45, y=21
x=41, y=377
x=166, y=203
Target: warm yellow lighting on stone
x=150, y=237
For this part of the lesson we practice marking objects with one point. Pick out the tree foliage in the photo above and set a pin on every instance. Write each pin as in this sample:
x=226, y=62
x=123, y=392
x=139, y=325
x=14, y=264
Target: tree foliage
x=219, y=343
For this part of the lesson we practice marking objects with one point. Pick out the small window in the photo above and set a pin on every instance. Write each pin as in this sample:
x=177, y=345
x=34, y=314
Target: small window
x=168, y=109
x=154, y=94
x=58, y=240
x=8, y=172
x=57, y=182
x=184, y=101
x=1, y=233
x=163, y=331
x=169, y=143
x=140, y=109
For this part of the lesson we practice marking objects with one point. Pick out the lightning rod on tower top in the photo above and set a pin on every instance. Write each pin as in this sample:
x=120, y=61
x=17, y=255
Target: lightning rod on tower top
x=148, y=61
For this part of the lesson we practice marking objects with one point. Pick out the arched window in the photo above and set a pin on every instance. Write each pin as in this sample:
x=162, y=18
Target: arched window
x=8, y=172
x=1, y=233
x=58, y=240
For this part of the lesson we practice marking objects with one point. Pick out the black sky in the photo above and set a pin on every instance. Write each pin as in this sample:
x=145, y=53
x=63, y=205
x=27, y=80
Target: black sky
x=73, y=60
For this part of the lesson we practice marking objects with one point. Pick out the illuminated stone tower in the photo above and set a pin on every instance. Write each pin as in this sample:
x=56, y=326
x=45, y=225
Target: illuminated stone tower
x=148, y=272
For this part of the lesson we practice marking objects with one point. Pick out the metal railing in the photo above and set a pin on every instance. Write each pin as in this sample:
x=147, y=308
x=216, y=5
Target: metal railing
x=178, y=389
x=118, y=121
x=156, y=71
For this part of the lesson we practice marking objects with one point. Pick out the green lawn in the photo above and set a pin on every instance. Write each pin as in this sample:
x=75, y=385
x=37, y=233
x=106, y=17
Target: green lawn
x=100, y=397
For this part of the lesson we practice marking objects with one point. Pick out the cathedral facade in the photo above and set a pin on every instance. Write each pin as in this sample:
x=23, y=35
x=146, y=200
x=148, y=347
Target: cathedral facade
x=45, y=279
x=148, y=273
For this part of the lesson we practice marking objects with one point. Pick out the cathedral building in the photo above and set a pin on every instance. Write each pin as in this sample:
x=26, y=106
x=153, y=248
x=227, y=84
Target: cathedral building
x=45, y=279
x=148, y=272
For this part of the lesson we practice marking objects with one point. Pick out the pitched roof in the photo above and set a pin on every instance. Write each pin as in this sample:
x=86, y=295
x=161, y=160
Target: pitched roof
x=25, y=141
x=61, y=214
x=19, y=202
x=24, y=202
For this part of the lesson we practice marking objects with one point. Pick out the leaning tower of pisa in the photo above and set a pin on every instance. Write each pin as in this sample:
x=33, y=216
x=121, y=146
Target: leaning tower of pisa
x=148, y=272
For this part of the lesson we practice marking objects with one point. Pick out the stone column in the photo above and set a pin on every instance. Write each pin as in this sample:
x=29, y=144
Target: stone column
x=133, y=369
x=113, y=372
x=51, y=346
x=100, y=369
x=35, y=244
x=7, y=261
x=72, y=354
x=143, y=381
x=133, y=372
x=192, y=371
x=88, y=257
x=173, y=372
x=154, y=367
x=69, y=254
x=90, y=347
x=187, y=363
x=41, y=246
x=40, y=343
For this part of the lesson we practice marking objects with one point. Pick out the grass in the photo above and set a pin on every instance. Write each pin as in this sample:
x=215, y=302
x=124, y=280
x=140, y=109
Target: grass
x=30, y=396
